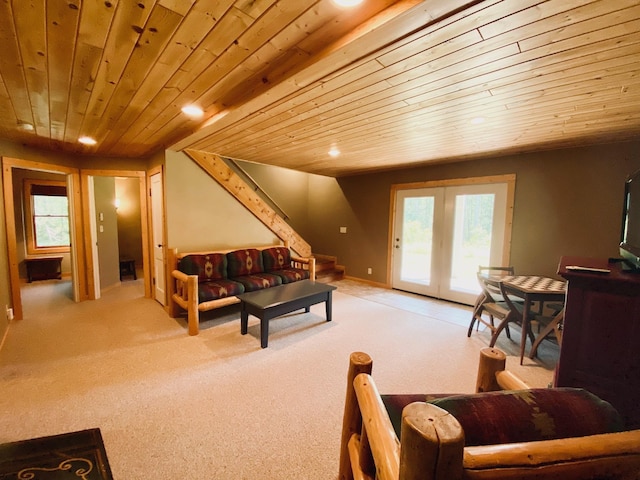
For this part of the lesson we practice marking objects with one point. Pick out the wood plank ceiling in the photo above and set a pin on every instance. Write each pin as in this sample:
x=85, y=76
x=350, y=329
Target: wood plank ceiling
x=388, y=83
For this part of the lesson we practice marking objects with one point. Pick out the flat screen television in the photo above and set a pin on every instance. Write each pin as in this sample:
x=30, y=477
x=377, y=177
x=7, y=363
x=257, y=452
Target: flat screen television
x=630, y=236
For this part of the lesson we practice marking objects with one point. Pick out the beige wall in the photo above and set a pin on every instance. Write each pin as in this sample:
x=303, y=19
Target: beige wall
x=567, y=202
x=107, y=234
x=201, y=215
x=286, y=188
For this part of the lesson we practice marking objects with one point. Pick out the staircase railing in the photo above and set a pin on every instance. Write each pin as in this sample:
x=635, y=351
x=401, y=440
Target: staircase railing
x=256, y=187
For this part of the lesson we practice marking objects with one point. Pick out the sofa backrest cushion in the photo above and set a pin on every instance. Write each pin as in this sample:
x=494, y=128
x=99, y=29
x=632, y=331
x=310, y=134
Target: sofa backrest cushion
x=208, y=266
x=244, y=262
x=276, y=258
x=530, y=415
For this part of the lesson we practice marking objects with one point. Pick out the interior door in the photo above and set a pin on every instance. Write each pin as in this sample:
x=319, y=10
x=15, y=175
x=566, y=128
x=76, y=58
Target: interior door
x=442, y=234
x=157, y=220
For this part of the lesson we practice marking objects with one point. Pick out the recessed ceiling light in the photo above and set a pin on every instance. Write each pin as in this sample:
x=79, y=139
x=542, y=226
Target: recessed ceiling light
x=477, y=120
x=26, y=126
x=334, y=152
x=87, y=141
x=347, y=3
x=192, y=111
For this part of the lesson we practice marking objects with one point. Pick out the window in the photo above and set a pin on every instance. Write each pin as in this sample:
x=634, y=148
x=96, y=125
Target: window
x=46, y=216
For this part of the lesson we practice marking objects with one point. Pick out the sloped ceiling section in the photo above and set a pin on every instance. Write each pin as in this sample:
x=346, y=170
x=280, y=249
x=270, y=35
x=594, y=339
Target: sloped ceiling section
x=388, y=83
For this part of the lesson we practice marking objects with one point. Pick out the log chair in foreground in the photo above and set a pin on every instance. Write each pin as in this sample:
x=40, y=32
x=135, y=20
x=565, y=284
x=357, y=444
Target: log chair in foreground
x=434, y=445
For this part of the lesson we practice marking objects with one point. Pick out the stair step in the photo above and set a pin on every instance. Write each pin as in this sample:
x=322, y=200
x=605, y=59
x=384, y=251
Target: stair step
x=327, y=270
x=331, y=275
x=325, y=262
x=321, y=267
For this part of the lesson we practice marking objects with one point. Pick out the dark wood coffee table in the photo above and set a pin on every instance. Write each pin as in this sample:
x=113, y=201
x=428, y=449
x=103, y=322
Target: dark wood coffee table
x=276, y=301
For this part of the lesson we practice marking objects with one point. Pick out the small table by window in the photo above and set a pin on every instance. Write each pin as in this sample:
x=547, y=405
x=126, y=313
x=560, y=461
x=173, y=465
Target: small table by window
x=43, y=268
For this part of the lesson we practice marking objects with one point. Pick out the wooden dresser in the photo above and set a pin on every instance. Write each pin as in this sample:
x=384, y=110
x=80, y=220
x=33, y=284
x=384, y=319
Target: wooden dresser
x=601, y=337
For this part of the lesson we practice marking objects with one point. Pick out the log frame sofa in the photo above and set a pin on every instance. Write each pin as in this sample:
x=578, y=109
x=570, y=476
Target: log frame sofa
x=432, y=446
x=187, y=289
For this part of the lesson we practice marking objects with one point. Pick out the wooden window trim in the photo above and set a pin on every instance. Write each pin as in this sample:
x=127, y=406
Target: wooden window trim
x=28, y=218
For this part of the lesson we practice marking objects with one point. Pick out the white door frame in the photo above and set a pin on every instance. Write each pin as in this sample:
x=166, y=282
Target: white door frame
x=92, y=259
x=93, y=227
x=158, y=245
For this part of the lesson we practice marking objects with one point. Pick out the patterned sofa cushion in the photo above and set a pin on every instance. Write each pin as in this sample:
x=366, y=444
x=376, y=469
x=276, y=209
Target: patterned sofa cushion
x=276, y=258
x=210, y=266
x=258, y=281
x=243, y=262
x=289, y=275
x=525, y=415
x=216, y=289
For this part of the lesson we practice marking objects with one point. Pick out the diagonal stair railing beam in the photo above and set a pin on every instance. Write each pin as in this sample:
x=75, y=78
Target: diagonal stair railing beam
x=235, y=166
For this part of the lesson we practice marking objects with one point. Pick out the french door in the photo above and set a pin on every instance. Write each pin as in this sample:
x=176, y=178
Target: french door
x=441, y=234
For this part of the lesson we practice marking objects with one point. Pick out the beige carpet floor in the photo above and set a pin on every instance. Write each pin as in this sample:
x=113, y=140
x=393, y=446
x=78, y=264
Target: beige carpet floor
x=216, y=405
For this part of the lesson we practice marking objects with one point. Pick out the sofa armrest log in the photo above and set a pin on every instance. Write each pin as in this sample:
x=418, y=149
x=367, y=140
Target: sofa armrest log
x=299, y=262
x=185, y=295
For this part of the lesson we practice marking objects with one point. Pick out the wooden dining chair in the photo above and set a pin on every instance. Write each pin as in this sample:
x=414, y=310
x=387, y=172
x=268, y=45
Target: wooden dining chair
x=549, y=324
x=490, y=302
x=516, y=312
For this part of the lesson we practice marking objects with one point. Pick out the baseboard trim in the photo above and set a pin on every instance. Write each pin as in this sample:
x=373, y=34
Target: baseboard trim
x=368, y=282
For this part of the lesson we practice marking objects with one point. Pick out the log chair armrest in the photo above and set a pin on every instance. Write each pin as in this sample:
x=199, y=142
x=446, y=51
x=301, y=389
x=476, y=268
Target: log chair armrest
x=492, y=375
x=377, y=428
x=177, y=274
x=186, y=295
x=310, y=261
x=575, y=455
x=432, y=439
x=181, y=292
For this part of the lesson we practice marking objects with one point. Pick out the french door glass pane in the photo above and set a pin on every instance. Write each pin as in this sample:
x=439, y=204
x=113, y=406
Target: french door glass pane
x=473, y=226
x=417, y=235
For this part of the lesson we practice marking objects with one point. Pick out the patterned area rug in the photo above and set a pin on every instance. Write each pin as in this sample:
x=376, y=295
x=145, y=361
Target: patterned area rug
x=76, y=455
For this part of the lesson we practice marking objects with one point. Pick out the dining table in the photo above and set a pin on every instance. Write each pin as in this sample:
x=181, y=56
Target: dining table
x=532, y=289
